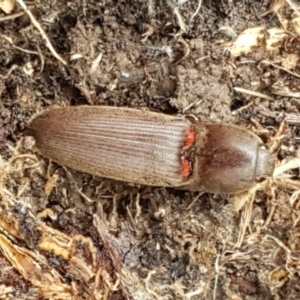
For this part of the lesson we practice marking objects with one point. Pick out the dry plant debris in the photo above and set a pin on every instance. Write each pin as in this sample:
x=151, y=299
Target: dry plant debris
x=68, y=235
x=7, y=5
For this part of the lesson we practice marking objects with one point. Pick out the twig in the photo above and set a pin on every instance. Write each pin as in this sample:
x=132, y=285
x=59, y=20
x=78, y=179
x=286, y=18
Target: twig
x=194, y=201
x=42, y=59
x=195, y=13
x=293, y=6
x=249, y=92
x=11, y=17
x=196, y=103
x=242, y=108
x=42, y=32
x=281, y=68
x=39, y=53
x=179, y=18
x=292, y=164
x=84, y=196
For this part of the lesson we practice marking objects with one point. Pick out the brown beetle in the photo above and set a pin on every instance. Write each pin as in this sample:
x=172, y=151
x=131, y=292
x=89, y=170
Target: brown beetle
x=150, y=148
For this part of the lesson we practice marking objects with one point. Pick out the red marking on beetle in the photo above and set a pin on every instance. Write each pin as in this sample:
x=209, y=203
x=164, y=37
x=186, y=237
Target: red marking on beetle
x=190, y=138
x=185, y=168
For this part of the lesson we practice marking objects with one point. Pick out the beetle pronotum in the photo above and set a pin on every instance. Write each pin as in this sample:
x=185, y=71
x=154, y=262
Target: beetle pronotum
x=153, y=149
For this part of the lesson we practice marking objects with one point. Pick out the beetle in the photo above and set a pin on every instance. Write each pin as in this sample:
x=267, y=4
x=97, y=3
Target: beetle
x=154, y=149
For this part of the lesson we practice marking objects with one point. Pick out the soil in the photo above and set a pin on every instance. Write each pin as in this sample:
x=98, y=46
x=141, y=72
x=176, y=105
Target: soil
x=69, y=235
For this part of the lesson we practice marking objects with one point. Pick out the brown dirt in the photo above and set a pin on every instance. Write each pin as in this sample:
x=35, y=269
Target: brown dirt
x=69, y=235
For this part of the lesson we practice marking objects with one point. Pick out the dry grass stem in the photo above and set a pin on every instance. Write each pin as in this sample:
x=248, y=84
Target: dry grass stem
x=42, y=32
x=253, y=93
